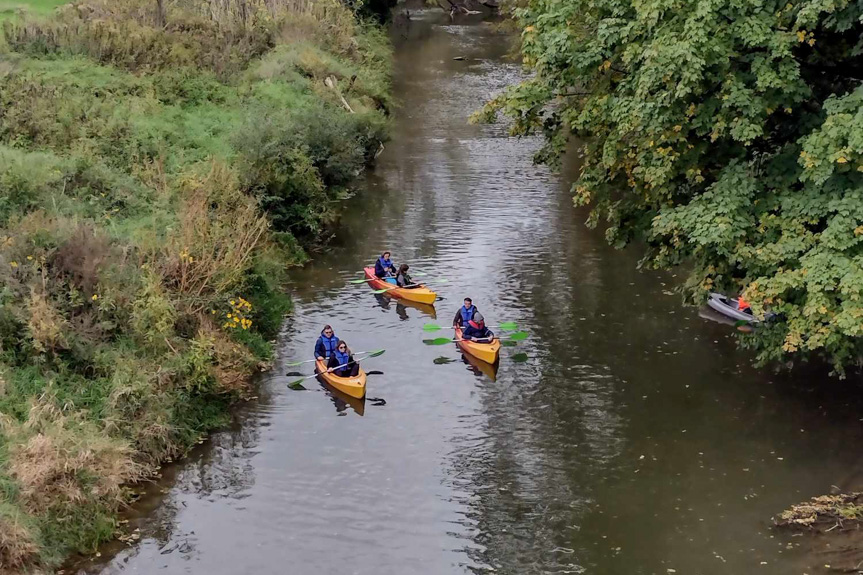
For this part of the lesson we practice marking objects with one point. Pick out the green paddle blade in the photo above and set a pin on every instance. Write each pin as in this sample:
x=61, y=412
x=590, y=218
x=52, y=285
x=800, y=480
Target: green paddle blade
x=297, y=385
x=375, y=353
x=296, y=363
x=518, y=336
x=432, y=327
x=508, y=325
x=443, y=360
x=362, y=281
x=438, y=341
x=385, y=290
x=507, y=343
x=519, y=357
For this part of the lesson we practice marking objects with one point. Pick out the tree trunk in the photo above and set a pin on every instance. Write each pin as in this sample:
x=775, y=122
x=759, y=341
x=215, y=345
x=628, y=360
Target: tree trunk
x=160, y=13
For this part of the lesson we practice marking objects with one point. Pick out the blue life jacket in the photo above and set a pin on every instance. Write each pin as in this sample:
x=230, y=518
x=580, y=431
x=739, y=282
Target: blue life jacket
x=330, y=344
x=342, y=358
x=467, y=314
x=386, y=264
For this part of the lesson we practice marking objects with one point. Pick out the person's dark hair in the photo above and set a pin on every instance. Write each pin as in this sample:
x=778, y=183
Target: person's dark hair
x=468, y=299
x=385, y=254
x=403, y=268
x=327, y=327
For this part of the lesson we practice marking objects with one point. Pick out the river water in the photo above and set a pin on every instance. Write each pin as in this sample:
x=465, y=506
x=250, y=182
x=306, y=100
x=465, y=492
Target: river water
x=626, y=435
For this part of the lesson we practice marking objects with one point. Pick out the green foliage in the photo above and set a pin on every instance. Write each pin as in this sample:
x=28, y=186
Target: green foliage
x=155, y=184
x=726, y=136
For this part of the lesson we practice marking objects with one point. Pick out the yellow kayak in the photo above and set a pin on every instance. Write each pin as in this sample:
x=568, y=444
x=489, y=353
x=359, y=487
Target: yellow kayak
x=487, y=352
x=352, y=386
x=420, y=295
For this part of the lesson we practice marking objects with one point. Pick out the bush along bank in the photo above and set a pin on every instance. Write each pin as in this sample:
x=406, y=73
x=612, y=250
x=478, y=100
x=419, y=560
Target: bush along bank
x=161, y=165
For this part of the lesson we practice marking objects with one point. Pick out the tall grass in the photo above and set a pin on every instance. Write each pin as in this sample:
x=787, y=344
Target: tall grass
x=159, y=171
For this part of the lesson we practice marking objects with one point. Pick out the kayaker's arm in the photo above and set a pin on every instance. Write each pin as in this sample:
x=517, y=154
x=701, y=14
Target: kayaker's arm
x=457, y=319
x=320, y=350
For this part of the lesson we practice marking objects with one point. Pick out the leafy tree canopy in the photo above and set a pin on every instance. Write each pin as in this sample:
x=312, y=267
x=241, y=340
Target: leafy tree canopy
x=726, y=135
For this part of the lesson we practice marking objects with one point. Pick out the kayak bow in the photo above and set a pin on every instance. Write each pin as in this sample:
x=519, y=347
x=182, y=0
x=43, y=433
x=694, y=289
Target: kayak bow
x=487, y=352
x=352, y=386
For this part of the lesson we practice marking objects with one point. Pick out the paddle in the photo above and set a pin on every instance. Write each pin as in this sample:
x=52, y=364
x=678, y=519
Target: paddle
x=293, y=384
x=507, y=325
x=517, y=336
x=440, y=281
x=364, y=280
x=296, y=363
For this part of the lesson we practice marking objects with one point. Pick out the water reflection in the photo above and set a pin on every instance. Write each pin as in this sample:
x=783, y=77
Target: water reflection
x=626, y=435
x=401, y=306
x=343, y=401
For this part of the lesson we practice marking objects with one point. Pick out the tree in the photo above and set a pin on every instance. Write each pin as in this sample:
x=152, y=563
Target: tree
x=726, y=135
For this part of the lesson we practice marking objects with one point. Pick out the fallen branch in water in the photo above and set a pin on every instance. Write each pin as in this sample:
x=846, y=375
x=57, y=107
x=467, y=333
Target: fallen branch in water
x=843, y=511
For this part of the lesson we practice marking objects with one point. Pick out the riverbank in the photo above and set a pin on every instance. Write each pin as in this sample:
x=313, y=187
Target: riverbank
x=160, y=170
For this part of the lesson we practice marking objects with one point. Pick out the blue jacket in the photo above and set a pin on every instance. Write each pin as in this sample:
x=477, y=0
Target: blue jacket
x=462, y=316
x=325, y=349
x=471, y=331
x=383, y=266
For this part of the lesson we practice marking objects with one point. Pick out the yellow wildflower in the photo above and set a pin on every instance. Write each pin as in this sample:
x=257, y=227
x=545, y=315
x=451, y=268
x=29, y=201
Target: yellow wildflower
x=29, y=258
x=841, y=160
x=801, y=35
x=13, y=264
x=95, y=297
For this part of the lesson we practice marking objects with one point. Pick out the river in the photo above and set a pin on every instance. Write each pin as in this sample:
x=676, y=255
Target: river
x=625, y=435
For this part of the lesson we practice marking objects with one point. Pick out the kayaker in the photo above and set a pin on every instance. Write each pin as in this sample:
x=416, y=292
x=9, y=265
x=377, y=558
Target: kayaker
x=342, y=362
x=465, y=313
x=403, y=280
x=384, y=267
x=326, y=344
x=476, y=330
x=743, y=305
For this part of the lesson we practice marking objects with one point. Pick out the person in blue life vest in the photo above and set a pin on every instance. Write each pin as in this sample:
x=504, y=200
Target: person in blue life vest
x=326, y=344
x=476, y=330
x=342, y=362
x=465, y=313
x=384, y=268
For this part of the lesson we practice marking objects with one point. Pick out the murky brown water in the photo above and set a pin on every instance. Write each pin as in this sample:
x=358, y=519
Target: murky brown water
x=635, y=438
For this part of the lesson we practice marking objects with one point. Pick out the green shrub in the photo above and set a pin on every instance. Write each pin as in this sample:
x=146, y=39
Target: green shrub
x=153, y=180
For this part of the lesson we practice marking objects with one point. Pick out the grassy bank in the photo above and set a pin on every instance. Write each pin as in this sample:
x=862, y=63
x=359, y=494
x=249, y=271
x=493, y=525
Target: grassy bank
x=10, y=8
x=159, y=171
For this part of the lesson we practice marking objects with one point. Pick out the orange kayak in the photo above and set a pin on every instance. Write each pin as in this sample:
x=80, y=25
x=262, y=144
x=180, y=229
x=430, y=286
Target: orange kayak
x=352, y=386
x=420, y=295
x=487, y=352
